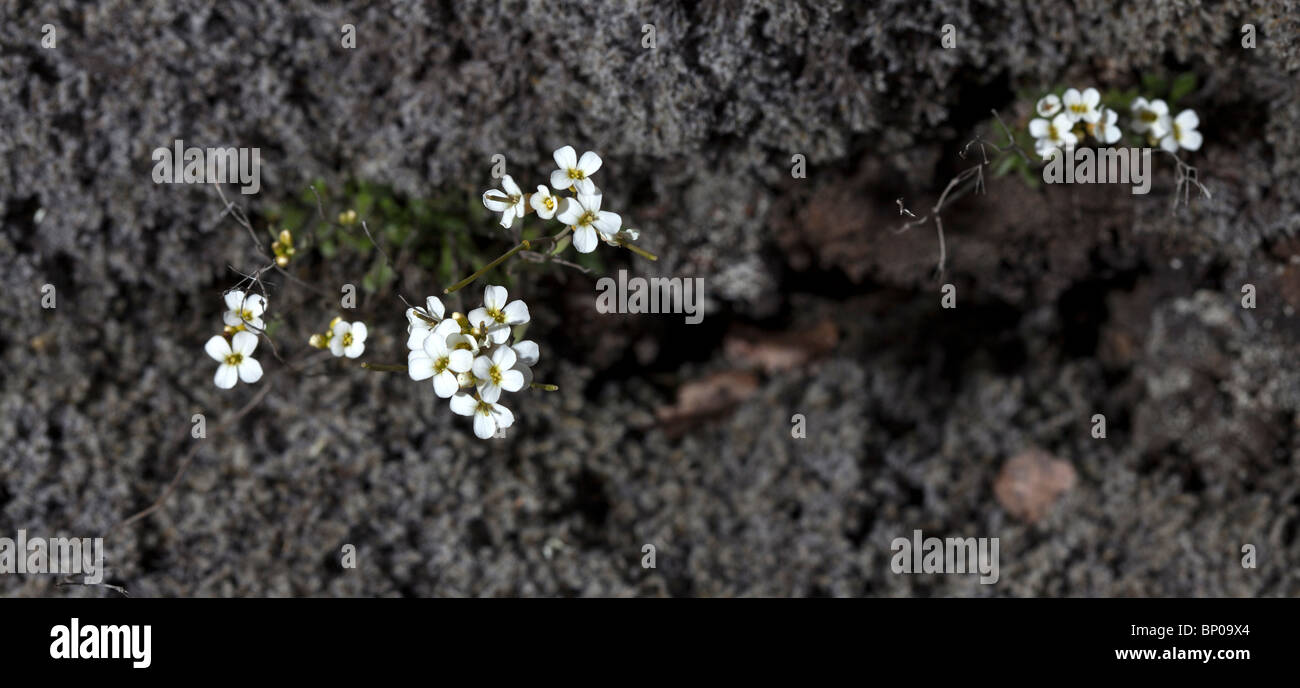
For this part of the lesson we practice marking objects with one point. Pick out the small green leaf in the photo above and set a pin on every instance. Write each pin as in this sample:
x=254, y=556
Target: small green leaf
x=1184, y=84
x=1153, y=85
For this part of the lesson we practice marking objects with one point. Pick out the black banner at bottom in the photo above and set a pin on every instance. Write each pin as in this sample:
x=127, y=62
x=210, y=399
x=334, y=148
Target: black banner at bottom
x=333, y=639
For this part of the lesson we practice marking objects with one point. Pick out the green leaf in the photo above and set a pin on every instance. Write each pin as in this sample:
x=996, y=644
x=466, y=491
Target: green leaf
x=1184, y=84
x=1153, y=85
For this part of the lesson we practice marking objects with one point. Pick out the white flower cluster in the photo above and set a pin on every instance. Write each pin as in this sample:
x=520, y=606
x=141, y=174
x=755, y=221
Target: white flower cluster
x=468, y=357
x=234, y=349
x=581, y=211
x=1063, y=121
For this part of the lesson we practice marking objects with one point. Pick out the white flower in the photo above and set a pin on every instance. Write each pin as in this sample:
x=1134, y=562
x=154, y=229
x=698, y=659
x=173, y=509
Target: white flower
x=348, y=339
x=623, y=236
x=544, y=203
x=510, y=208
x=496, y=373
x=488, y=416
x=574, y=172
x=1183, y=133
x=526, y=355
x=436, y=360
x=418, y=321
x=1082, y=106
x=498, y=315
x=587, y=219
x=1106, y=130
x=236, y=359
x=1049, y=106
x=1150, y=117
x=1052, y=135
x=244, y=309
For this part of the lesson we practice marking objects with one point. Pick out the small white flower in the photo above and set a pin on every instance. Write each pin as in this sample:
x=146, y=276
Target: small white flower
x=436, y=360
x=1082, y=106
x=623, y=236
x=573, y=172
x=1052, y=136
x=348, y=339
x=236, y=359
x=526, y=356
x=1106, y=130
x=498, y=315
x=1150, y=117
x=488, y=416
x=588, y=220
x=544, y=203
x=1183, y=133
x=497, y=373
x=244, y=310
x=1049, y=106
x=418, y=321
x=464, y=342
x=510, y=208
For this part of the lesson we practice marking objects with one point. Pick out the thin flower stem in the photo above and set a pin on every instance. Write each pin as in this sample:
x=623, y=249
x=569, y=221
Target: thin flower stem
x=384, y=367
x=501, y=259
x=544, y=387
x=640, y=251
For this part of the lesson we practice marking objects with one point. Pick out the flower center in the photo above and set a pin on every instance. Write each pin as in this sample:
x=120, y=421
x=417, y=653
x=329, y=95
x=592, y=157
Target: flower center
x=587, y=218
x=577, y=174
x=495, y=373
x=234, y=359
x=484, y=408
x=440, y=364
x=246, y=314
x=347, y=339
x=1079, y=108
x=1147, y=116
x=549, y=203
x=1178, y=132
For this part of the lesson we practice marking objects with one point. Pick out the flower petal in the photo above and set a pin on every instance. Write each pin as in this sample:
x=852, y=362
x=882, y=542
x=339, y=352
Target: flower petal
x=234, y=299
x=359, y=332
x=589, y=163
x=250, y=370
x=481, y=367
x=217, y=348
x=1187, y=119
x=503, y=357
x=445, y=385
x=489, y=392
x=608, y=223
x=511, y=188
x=463, y=404
x=1038, y=128
x=527, y=352
x=494, y=297
x=434, y=306
x=584, y=239
x=435, y=347
x=512, y=380
x=460, y=360
x=516, y=313
x=560, y=179
x=502, y=416
x=419, y=366
x=1191, y=140
x=565, y=158
x=1091, y=97
x=226, y=376
x=484, y=426
x=243, y=343
x=494, y=205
